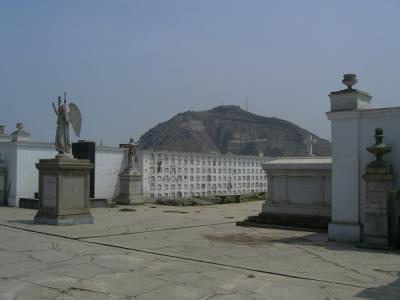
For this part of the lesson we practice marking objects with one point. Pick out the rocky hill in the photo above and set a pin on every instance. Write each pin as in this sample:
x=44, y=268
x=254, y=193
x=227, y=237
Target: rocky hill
x=230, y=129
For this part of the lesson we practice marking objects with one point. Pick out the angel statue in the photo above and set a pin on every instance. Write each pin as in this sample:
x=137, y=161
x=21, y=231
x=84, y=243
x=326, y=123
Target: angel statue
x=65, y=115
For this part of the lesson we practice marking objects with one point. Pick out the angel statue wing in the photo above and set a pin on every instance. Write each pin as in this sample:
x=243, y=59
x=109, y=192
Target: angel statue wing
x=76, y=118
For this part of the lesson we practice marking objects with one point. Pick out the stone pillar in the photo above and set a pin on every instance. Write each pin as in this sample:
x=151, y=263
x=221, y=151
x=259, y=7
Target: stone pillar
x=379, y=179
x=63, y=191
x=344, y=115
x=130, y=187
x=87, y=150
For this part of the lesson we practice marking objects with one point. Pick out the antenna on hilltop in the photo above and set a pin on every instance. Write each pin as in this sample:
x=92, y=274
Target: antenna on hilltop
x=247, y=103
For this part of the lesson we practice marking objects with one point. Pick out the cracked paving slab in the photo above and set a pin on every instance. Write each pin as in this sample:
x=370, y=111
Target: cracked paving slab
x=196, y=260
x=98, y=272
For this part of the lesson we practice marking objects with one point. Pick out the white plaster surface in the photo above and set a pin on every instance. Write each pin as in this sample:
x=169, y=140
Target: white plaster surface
x=345, y=176
x=160, y=252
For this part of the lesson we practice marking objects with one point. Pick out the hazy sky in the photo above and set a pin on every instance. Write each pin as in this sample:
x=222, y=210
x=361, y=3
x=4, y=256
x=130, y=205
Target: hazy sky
x=132, y=64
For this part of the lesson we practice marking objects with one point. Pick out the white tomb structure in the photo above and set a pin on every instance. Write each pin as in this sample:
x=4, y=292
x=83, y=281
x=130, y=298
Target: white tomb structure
x=353, y=125
x=298, y=193
x=299, y=188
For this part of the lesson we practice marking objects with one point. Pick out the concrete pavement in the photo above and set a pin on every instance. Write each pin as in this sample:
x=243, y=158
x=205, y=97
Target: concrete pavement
x=162, y=252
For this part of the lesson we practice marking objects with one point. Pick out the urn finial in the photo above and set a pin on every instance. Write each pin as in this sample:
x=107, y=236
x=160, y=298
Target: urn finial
x=379, y=148
x=349, y=80
x=20, y=126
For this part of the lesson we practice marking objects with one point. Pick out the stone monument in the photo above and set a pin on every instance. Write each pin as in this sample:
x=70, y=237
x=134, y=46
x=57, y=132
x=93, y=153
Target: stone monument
x=64, y=181
x=379, y=179
x=130, y=180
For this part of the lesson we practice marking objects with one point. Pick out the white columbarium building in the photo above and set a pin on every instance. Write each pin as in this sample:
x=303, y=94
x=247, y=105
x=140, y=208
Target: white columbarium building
x=181, y=175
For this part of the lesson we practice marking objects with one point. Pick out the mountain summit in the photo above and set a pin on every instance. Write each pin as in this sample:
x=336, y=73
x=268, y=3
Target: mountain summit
x=230, y=129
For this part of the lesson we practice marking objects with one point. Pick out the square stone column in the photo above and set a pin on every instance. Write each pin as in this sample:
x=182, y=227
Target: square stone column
x=344, y=115
x=130, y=187
x=63, y=191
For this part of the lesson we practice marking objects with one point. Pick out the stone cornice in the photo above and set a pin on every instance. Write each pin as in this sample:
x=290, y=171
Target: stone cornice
x=371, y=112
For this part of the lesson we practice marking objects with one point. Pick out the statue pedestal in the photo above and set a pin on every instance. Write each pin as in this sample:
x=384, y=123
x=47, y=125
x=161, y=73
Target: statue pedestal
x=64, y=191
x=130, y=187
x=376, y=229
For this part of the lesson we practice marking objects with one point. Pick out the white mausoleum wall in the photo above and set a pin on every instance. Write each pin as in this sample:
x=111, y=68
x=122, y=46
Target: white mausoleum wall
x=20, y=159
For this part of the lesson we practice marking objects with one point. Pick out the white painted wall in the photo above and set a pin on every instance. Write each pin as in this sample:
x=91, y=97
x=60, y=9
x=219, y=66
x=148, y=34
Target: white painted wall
x=110, y=162
x=22, y=175
x=28, y=154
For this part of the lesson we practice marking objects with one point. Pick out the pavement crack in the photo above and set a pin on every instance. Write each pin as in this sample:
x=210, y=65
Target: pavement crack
x=322, y=258
x=149, y=231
